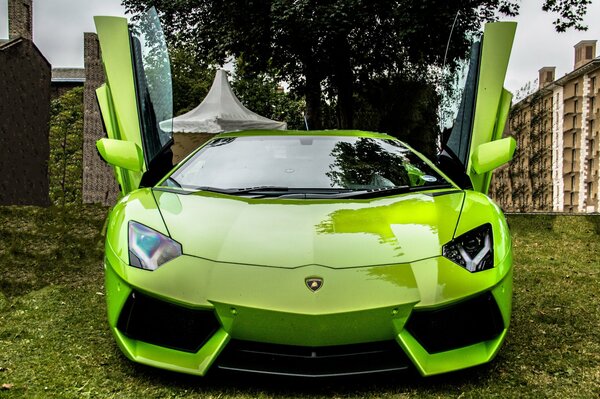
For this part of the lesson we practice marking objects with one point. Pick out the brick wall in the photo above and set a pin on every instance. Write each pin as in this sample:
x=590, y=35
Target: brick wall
x=99, y=184
x=24, y=118
x=20, y=19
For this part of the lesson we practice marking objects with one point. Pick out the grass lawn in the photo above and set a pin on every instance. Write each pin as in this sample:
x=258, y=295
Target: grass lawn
x=54, y=339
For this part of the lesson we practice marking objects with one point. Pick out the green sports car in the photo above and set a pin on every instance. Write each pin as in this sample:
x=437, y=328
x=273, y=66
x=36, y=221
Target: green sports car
x=302, y=253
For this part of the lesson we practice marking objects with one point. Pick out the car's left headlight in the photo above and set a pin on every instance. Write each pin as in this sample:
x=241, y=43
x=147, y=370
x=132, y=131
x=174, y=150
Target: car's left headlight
x=473, y=250
x=149, y=249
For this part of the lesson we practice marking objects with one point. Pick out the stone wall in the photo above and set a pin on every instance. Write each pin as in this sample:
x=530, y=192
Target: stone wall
x=24, y=118
x=99, y=183
x=20, y=19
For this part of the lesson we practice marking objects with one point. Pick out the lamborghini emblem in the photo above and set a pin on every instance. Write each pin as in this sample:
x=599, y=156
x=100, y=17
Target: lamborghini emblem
x=314, y=283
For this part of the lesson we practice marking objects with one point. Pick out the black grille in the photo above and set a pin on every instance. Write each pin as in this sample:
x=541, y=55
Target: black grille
x=456, y=326
x=300, y=361
x=161, y=323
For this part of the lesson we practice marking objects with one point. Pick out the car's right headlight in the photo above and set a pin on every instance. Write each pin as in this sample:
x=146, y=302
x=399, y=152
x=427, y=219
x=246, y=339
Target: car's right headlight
x=149, y=249
x=473, y=250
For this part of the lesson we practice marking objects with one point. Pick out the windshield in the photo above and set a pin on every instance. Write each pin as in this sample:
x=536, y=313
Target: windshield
x=305, y=162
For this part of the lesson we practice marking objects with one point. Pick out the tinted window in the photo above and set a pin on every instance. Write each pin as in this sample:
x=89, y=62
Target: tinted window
x=153, y=83
x=306, y=162
x=460, y=136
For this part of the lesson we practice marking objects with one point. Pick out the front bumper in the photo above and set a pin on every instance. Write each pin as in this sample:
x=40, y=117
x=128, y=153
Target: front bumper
x=273, y=307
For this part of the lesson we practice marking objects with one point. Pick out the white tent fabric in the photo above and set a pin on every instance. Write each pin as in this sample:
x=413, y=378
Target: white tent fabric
x=221, y=111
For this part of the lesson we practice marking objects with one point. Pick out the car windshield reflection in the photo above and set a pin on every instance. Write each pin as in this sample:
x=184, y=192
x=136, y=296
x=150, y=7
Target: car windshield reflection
x=328, y=165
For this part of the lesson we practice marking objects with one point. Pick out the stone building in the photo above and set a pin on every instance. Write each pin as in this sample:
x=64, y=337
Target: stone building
x=65, y=79
x=24, y=112
x=556, y=166
x=99, y=183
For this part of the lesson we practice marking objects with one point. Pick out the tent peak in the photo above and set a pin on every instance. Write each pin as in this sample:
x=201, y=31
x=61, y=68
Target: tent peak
x=221, y=111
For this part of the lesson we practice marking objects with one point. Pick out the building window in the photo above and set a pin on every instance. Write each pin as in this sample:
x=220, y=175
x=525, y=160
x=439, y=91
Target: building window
x=576, y=89
x=593, y=85
x=575, y=106
x=588, y=52
x=572, y=202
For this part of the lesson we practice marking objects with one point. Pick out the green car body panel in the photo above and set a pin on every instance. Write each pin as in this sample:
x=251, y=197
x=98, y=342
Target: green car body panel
x=117, y=97
x=492, y=101
x=247, y=260
x=371, y=282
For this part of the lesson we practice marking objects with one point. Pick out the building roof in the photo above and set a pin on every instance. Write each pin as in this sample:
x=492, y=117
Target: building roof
x=68, y=75
x=586, y=68
x=589, y=66
x=8, y=42
x=6, y=45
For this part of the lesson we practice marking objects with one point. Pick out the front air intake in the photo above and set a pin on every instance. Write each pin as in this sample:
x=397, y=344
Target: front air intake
x=456, y=326
x=161, y=323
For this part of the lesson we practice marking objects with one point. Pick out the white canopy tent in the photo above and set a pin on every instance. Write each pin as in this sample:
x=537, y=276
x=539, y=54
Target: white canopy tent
x=221, y=111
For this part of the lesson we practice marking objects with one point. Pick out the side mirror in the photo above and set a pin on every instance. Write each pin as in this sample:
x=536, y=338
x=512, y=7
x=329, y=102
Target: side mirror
x=489, y=156
x=121, y=153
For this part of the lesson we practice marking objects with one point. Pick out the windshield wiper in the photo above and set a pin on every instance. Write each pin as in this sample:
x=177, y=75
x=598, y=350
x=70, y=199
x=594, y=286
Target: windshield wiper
x=314, y=193
x=384, y=191
x=247, y=190
x=373, y=192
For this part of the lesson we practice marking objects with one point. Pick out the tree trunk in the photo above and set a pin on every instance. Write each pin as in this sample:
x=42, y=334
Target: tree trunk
x=313, y=100
x=344, y=81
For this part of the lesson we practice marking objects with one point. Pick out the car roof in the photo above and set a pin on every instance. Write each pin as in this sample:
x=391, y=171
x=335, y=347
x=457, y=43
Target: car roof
x=332, y=133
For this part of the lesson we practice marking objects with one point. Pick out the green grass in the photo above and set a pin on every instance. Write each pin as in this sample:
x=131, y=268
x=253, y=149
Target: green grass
x=54, y=339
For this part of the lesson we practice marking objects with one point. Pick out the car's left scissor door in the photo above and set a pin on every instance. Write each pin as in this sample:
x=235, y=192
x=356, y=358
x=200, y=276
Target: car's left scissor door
x=137, y=101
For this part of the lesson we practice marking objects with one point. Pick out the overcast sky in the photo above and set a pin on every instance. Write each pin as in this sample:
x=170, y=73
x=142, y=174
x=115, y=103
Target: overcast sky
x=59, y=27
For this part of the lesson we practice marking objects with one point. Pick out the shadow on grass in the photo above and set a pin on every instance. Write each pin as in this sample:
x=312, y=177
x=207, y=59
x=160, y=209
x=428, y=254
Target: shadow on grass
x=54, y=245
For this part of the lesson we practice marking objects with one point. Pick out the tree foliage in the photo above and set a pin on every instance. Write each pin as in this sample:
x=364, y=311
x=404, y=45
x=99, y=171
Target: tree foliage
x=66, y=148
x=365, y=164
x=334, y=49
x=570, y=13
x=263, y=94
x=191, y=80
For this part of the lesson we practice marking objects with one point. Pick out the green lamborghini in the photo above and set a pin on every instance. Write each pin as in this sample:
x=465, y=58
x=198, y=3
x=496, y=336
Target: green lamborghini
x=302, y=253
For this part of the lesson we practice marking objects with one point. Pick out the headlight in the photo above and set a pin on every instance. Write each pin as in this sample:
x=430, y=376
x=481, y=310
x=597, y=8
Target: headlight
x=149, y=249
x=473, y=250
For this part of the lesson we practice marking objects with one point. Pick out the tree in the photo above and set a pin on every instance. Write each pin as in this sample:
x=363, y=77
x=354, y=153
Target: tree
x=66, y=143
x=331, y=47
x=570, y=13
x=191, y=80
x=263, y=94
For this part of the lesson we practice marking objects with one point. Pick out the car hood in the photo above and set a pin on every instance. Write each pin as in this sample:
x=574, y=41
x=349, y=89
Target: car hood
x=295, y=233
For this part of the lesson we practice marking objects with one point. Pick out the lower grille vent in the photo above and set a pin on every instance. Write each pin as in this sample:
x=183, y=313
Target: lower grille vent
x=298, y=361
